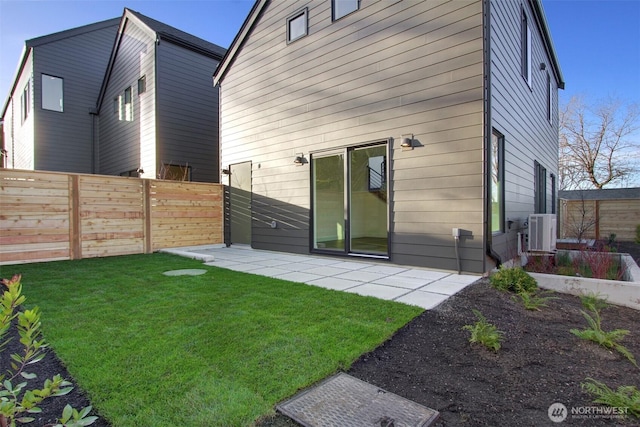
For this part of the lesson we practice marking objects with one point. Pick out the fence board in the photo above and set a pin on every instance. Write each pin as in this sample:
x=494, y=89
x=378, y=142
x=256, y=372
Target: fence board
x=600, y=218
x=54, y=216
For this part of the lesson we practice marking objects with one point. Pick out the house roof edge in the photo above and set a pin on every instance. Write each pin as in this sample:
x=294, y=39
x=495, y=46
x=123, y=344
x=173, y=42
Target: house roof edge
x=238, y=41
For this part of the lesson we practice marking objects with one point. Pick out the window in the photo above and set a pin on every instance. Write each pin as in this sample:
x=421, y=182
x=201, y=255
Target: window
x=553, y=193
x=127, y=106
x=496, y=186
x=297, y=25
x=540, y=188
x=142, y=84
x=549, y=99
x=525, y=40
x=25, y=101
x=344, y=7
x=116, y=106
x=52, y=93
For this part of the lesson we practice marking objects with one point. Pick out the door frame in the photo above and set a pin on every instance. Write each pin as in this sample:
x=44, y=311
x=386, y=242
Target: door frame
x=345, y=150
x=231, y=202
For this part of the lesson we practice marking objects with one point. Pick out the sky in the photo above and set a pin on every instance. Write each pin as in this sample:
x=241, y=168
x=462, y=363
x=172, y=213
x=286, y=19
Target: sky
x=597, y=41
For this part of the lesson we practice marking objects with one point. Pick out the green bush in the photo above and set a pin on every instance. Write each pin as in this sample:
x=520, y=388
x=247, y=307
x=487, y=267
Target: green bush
x=16, y=400
x=624, y=397
x=513, y=279
x=638, y=233
x=483, y=332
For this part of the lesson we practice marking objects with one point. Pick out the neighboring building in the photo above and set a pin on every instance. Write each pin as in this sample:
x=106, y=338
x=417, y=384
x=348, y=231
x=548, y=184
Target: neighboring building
x=157, y=110
x=128, y=96
x=383, y=128
x=46, y=118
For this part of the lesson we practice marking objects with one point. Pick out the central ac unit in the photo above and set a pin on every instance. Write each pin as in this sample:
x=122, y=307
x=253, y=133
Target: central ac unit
x=542, y=233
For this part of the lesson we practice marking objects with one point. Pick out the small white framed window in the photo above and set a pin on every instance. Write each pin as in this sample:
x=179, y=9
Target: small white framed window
x=342, y=8
x=52, y=93
x=549, y=99
x=142, y=84
x=297, y=25
x=25, y=101
x=127, y=105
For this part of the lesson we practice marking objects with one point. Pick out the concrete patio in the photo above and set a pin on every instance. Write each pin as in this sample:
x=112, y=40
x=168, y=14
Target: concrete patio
x=422, y=287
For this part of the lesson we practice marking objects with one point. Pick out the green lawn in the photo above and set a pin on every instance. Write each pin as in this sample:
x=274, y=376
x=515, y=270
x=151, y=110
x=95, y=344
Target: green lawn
x=218, y=349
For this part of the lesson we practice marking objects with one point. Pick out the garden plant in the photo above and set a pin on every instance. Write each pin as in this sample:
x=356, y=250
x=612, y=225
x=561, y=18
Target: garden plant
x=17, y=401
x=484, y=333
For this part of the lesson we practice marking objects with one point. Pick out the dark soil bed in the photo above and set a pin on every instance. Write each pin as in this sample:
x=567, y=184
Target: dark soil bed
x=430, y=361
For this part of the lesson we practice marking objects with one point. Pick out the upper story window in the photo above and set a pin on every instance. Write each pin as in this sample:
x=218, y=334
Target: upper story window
x=25, y=101
x=297, y=25
x=525, y=40
x=52, y=93
x=142, y=84
x=549, y=99
x=127, y=105
x=342, y=8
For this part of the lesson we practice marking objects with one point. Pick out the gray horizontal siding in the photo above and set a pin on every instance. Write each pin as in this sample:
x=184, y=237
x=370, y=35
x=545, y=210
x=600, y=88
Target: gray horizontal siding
x=187, y=111
x=519, y=113
x=381, y=72
x=64, y=140
x=127, y=145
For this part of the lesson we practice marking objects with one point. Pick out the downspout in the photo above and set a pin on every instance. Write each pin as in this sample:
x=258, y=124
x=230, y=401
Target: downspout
x=486, y=10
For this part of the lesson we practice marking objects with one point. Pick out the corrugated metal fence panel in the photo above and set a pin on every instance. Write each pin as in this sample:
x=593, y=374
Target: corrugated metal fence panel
x=186, y=214
x=48, y=216
x=34, y=217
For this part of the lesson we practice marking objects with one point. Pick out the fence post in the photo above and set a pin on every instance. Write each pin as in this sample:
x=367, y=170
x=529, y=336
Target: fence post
x=75, y=244
x=146, y=197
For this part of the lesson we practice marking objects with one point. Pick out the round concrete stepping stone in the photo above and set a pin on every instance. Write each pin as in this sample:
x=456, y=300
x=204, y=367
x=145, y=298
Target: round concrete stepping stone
x=185, y=272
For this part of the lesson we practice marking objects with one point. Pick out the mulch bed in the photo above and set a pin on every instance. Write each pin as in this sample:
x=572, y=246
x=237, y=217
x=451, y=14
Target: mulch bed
x=430, y=361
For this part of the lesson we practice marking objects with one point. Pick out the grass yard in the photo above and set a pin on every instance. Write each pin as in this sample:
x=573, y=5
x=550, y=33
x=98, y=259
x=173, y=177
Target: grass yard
x=218, y=349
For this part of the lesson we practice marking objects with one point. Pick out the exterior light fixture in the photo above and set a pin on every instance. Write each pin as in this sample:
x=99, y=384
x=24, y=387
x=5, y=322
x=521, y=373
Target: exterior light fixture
x=406, y=142
x=299, y=160
x=226, y=172
x=543, y=66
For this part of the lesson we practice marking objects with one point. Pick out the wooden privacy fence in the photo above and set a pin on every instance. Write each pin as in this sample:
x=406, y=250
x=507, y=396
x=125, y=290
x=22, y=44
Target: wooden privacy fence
x=48, y=216
x=599, y=219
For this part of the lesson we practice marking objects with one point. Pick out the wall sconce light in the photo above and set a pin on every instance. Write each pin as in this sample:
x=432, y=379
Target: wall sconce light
x=300, y=160
x=226, y=172
x=543, y=66
x=140, y=171
x=406, y=142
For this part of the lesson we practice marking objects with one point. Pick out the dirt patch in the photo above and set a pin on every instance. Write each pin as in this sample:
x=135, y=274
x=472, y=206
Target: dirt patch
x=430, y=361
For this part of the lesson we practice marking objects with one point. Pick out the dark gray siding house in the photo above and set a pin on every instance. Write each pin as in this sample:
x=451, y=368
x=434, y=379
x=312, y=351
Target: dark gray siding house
x=46, y=116
x=157, y=110
x=386, y=128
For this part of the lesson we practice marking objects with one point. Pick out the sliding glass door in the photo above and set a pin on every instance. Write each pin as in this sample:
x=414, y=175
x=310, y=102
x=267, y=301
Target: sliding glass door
x=350, y=210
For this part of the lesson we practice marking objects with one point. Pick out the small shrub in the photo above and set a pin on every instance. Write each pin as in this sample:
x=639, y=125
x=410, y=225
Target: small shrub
x=593, y=302
x=483, y=332
x=16, y=401
x=533, y=301
x=595, y=333
x=624, y=397
x=638, y=233
x=513, y=279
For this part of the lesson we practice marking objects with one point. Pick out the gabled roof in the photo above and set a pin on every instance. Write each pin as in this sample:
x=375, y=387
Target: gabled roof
x=50, y=38
x=159, y=31
x=259, y=5
x=238, y=41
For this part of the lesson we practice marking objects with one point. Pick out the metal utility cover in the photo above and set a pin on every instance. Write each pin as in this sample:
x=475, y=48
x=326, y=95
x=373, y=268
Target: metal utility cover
x=345, y=401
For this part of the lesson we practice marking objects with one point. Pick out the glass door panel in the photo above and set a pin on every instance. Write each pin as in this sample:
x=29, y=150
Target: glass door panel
x=368, y=222
x=328, y=202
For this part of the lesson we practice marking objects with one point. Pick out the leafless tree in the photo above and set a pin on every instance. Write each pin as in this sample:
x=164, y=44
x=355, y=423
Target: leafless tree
x=597, y=146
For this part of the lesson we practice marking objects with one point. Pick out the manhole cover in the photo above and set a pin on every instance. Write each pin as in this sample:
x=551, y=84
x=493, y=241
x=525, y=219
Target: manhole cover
x=185, y=272
x=345, y=401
